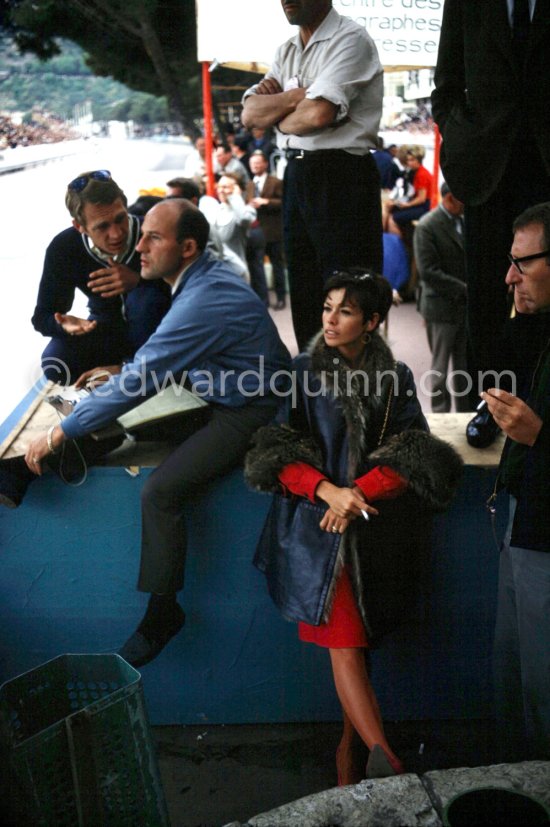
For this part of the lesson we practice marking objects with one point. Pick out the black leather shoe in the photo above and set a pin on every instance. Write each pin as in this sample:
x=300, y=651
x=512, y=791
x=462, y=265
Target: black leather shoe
x=139, y=649
x=15, y=478
x=481, y=430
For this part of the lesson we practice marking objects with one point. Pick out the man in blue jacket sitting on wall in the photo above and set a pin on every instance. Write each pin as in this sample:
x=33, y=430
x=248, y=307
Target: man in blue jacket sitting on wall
x=219, y=337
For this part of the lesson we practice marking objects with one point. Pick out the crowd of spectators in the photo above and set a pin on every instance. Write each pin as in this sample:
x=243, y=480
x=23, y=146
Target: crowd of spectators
x=419, y=122
x=43, y=129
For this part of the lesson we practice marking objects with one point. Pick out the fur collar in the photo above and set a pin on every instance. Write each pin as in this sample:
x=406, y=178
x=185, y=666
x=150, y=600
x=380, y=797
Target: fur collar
x=360, y=391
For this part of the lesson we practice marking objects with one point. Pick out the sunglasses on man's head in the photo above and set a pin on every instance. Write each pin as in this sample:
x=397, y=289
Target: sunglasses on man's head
x=82, y=181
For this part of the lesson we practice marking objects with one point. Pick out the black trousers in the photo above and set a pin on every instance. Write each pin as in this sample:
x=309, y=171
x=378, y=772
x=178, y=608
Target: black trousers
x=65, y=358
x=255, y=251
x=274, y=251
x=488, y=238
x=331, y=220
x=214, y=450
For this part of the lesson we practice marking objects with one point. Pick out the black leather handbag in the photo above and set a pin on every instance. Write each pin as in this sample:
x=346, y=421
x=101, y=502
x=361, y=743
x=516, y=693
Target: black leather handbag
x=297, y=557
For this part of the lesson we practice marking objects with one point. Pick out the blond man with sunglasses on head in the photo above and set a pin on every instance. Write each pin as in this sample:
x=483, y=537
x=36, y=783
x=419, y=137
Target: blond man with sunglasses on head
x=96, y=255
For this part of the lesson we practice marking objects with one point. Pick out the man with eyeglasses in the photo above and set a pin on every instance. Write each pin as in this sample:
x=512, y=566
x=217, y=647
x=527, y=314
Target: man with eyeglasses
x=97, y=256
x=522, y=636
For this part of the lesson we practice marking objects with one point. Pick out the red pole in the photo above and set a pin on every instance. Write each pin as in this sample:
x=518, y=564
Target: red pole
x=437, y=147
x=208, y=136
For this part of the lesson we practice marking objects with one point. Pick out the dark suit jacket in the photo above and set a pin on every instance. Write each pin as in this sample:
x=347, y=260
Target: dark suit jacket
x=439, y=256
x=484, y=98
x=270, y=215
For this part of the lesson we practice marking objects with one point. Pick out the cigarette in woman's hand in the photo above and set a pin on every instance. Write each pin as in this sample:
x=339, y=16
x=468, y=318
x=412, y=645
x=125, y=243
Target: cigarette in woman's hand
x=365, y=514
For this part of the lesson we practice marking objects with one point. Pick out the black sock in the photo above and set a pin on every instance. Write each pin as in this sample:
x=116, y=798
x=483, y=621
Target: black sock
x=159, y=616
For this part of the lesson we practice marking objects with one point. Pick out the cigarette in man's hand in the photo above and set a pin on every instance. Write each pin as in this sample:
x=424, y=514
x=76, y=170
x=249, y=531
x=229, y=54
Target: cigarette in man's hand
x=365, y=514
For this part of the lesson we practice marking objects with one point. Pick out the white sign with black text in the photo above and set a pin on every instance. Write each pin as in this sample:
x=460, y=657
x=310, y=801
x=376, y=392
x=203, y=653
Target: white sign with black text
x=406, y=32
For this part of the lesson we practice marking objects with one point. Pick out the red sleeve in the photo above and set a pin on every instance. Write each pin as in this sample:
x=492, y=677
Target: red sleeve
x=301, y=479
x=382, y=483
x=423, y=180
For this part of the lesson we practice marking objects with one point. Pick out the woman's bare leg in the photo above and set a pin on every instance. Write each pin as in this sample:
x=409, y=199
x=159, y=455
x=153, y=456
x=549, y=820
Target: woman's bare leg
x=350, y=760
x=357, y=697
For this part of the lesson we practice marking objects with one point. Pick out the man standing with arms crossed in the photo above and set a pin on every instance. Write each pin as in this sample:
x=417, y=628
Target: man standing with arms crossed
x=323, y=94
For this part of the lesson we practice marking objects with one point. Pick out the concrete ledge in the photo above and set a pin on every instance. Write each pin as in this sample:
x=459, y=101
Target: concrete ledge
x=70, y=558
x=403, y=801
x=530, y=777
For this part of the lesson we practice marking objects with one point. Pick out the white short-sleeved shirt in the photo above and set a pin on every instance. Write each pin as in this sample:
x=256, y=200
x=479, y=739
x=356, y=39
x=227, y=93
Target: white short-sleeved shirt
x=340, y=64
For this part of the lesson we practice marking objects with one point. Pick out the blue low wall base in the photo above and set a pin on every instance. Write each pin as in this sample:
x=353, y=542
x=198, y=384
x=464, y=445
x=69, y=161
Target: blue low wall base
x=68, y=566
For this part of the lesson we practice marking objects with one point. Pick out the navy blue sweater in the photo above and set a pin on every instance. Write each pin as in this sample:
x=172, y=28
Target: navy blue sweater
x=67, y=267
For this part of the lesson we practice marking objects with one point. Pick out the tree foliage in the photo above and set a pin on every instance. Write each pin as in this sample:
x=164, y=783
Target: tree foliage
x=59, y=84
x=149, y=45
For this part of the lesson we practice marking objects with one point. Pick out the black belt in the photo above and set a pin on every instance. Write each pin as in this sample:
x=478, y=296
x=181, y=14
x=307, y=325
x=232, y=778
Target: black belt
x=301, y=153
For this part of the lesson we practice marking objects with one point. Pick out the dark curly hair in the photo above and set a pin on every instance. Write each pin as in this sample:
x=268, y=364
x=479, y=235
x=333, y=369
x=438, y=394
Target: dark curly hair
x=370, y=291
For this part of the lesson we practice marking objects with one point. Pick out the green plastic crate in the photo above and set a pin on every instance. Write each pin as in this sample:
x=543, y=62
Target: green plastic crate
x=78, y=741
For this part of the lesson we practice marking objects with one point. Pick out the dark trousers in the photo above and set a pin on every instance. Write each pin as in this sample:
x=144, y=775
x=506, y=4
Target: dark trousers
x=255, y=251
x=488, y=238
x=331, y=220
x=448, y=344
x=521, y=651
x=65, y=358
x=274, y=252
x=409, y=214
x=211, y=452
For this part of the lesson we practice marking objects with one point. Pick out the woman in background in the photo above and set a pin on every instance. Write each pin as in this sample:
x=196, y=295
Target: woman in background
x=402, y=213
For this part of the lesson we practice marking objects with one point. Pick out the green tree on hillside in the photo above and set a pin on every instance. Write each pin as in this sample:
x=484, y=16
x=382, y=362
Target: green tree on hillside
x=59, y=84
x=149, y=45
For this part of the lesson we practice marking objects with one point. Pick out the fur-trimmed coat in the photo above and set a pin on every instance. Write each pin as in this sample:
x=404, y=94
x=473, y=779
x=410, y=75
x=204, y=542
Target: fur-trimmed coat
x=344, y=423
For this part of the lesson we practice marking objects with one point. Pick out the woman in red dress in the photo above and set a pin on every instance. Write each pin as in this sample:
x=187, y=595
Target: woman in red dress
x=355, y=441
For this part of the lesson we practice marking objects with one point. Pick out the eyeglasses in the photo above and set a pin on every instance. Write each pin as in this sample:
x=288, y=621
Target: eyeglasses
x=82, y=181
x=517, y=262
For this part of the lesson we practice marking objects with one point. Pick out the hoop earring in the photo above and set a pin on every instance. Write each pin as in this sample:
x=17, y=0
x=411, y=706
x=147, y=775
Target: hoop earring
x=366, y=338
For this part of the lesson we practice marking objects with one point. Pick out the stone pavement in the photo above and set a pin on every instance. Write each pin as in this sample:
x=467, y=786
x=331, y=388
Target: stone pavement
x=248, y=775
x=410, y=800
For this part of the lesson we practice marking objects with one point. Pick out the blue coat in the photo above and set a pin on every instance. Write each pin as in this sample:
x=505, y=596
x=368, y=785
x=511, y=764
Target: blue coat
x=345, y=426
x=217, y=336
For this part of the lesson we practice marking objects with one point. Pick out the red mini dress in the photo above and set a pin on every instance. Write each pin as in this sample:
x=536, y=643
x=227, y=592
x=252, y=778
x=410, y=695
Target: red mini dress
x=344, y=627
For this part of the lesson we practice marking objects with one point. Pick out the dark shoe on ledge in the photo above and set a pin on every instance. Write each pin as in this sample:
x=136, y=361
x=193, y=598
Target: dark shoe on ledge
x=280, y=304
x=15, y=478
x=481, y=430
x=144, y=645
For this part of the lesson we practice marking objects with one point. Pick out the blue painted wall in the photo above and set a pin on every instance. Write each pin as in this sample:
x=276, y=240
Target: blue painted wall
x=68, y=566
